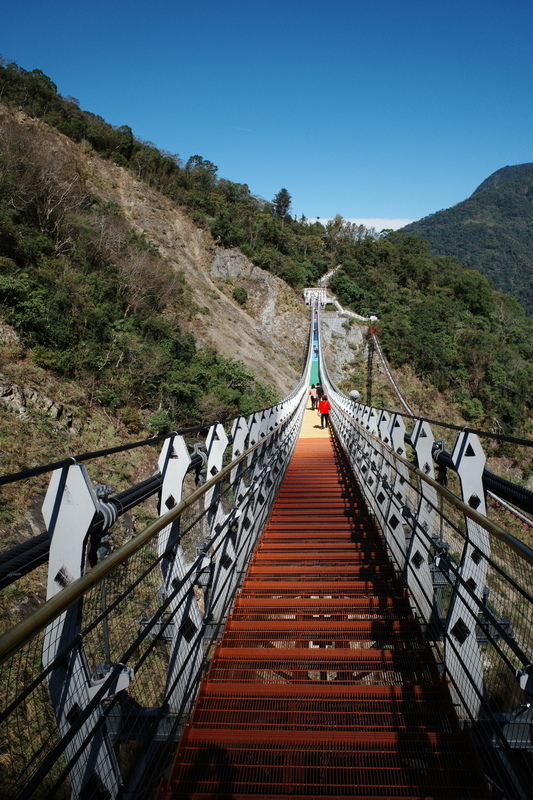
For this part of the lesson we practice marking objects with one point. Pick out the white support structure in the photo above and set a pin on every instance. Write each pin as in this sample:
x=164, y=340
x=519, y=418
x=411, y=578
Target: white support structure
x=69, y=509
x=424, y=532
x=315, y=295
x=184, y=659
x=399, y=484
x=463, y=658
x=174, y=461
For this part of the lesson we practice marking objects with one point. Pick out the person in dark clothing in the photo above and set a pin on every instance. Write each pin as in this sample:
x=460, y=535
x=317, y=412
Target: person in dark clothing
x=324, y=407
x=319, y=393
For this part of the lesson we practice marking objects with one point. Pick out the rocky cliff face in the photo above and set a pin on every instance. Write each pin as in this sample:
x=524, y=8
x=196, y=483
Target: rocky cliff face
x=268, y=334
x=341, y=340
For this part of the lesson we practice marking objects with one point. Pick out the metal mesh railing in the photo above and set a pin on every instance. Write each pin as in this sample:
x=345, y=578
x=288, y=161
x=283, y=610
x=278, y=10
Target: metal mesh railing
x=469, y=581
x=97, y=683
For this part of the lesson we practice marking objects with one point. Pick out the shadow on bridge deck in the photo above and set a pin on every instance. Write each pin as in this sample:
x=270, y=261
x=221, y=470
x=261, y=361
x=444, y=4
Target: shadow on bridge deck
x=322, y=685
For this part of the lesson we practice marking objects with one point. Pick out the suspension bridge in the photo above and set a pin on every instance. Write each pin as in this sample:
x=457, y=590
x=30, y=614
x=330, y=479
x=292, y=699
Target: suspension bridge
x=314, y=614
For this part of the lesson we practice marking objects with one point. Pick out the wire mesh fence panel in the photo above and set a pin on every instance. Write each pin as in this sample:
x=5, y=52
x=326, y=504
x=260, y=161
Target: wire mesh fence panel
x=96, y=688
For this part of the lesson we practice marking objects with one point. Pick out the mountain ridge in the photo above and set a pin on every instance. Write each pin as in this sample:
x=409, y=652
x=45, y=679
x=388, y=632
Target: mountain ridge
x=501, y=175
x=491, y=231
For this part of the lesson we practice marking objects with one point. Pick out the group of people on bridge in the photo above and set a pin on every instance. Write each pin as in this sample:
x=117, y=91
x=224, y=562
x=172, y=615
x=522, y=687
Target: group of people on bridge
x=320, y=403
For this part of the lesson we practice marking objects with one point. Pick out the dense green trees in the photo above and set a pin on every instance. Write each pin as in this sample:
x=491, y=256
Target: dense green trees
x=443, y=320
x=281, y=204
x=491, y=231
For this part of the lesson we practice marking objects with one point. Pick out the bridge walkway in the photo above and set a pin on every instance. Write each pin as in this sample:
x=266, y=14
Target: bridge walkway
x=322, y=685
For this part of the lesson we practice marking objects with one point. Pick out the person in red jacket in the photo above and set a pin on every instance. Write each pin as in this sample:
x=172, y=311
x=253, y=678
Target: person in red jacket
x=324, y=407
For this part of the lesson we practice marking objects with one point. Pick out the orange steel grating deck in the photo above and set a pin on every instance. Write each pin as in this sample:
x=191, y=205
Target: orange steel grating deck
x=322, y=686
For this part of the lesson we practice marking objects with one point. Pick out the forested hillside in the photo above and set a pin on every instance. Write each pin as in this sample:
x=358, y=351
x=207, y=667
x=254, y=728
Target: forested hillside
x=96, y=300
x=446, y=322
x=491, y=231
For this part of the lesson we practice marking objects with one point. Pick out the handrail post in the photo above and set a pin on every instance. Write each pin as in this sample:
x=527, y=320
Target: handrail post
x=68, y=509
x=463, y=660
x=419, y=576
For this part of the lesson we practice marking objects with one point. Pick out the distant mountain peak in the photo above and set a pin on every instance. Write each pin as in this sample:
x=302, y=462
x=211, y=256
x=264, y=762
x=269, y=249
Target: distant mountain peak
x=501, y=176
x=491, y=231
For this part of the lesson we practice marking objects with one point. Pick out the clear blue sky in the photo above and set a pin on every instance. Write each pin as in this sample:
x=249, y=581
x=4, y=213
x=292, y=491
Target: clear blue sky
x=380, y=109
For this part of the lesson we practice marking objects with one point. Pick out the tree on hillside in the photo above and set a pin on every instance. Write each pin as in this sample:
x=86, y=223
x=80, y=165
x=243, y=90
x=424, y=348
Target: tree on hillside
x=282, y=204
x=202, y=173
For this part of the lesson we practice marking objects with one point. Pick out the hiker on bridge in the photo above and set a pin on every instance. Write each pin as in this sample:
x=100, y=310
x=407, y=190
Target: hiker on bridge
x=324, y=407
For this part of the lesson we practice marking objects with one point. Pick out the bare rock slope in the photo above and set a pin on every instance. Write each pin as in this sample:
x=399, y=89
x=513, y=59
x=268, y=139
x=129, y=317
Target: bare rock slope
x=269, y=334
